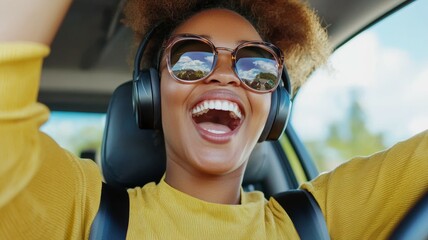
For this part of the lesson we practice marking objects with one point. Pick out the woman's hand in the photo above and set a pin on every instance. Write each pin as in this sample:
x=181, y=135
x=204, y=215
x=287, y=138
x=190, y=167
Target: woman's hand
x=34, y=20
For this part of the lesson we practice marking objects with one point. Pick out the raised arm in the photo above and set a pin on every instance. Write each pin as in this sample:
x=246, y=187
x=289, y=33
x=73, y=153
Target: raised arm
x=33, y=21
x=45, y=192
x=366, y=197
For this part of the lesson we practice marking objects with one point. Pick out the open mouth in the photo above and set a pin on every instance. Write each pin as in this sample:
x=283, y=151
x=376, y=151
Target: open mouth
x=217, y=116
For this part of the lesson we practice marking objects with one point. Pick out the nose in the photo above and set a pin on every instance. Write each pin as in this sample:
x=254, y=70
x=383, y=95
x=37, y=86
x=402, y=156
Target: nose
x=223, y=73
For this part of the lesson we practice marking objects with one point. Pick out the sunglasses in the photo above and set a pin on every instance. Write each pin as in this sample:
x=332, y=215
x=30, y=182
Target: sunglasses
x=192, y=58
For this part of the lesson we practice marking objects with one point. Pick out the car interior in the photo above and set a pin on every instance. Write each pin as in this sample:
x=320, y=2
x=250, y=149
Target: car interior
x=91, y=52
x=91, y=57
x=90, y=68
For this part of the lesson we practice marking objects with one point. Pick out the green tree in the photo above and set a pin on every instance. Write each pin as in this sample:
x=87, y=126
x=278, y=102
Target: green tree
x=346, y=139
x=354, y=138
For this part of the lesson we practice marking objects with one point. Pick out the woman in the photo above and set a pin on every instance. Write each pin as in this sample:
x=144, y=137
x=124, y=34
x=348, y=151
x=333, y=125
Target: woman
x=45, y=192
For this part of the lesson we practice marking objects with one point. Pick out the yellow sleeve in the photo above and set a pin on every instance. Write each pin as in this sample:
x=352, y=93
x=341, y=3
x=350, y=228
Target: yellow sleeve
x=366, y=197
x=45, y=192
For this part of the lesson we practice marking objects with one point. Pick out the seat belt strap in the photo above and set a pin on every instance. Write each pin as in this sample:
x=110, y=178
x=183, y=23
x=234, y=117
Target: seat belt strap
x=111, y=221
x=305, y=214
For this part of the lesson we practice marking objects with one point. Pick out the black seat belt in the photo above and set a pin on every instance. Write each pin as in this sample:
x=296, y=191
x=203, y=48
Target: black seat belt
x=111, y=221
x=305, y=213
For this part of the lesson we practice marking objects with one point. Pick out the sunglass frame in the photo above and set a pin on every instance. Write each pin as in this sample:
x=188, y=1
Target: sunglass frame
x=271, y=48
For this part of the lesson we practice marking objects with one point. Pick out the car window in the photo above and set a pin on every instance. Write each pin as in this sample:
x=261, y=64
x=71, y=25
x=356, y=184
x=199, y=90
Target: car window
x=80, y=133
x=372, y=94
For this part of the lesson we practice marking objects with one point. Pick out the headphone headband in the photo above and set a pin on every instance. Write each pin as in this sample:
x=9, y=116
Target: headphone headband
x=141, y=48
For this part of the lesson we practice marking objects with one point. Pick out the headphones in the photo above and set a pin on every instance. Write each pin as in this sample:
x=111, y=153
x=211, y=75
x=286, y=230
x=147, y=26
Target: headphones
x=147, y=103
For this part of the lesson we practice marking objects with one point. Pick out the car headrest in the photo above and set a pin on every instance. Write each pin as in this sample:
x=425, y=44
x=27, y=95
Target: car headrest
x=132, y=157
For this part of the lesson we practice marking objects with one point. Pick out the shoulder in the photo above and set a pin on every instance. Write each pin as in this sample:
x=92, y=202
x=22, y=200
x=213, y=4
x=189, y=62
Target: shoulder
x=139, y=192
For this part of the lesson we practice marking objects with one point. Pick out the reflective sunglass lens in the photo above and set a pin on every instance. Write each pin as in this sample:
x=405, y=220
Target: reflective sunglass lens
x=191, y=60
x=257, y=68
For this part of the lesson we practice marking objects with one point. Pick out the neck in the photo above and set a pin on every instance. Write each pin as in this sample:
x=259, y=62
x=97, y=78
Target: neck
x=222, y=189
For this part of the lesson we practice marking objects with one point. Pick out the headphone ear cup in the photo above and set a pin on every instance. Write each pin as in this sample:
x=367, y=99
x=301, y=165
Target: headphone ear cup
x=283, y=115
x=279, y=113
x=146, y=100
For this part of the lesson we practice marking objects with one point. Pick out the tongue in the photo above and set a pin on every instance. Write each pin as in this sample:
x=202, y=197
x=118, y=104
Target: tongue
x=214, y=127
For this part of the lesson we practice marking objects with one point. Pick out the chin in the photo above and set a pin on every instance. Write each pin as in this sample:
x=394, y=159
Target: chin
x=218, y=161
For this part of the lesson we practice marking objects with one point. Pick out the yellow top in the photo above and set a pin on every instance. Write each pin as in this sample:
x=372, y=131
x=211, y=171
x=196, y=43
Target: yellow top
x=47, y=193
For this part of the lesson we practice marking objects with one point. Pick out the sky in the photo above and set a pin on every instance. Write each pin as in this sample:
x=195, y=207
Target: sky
x=411, y=21
x=386, y=67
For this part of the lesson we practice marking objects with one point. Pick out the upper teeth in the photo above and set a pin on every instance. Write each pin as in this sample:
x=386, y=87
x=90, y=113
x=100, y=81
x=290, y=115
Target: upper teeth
x=223, y=105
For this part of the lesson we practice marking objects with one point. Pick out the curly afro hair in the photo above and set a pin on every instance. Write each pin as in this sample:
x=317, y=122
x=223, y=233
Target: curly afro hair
x=289, y=24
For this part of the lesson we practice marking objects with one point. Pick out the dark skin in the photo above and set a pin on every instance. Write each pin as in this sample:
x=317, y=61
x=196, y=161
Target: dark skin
x=205, y=167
